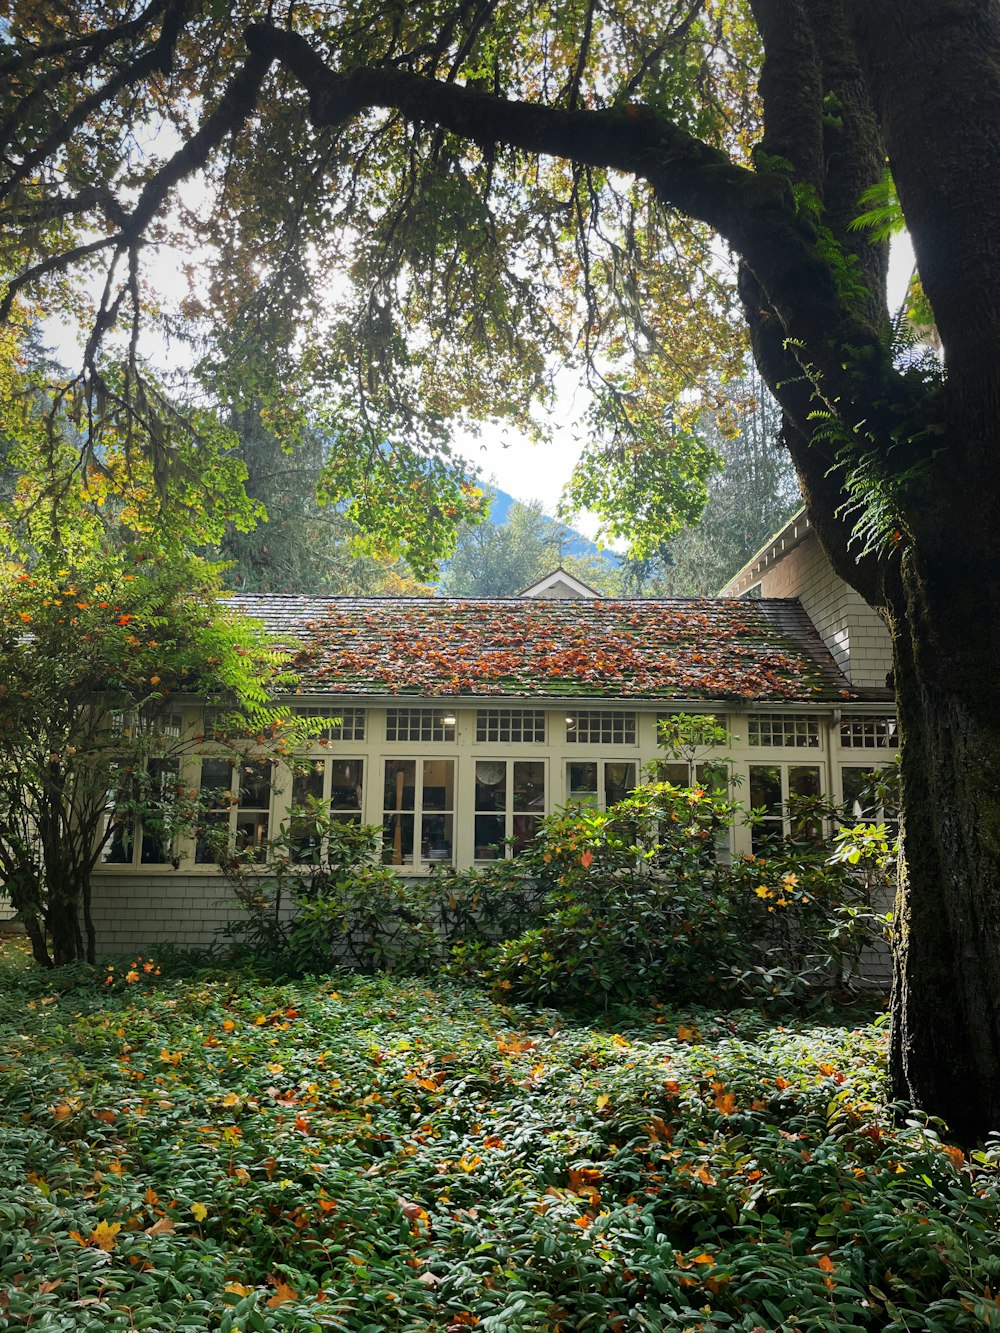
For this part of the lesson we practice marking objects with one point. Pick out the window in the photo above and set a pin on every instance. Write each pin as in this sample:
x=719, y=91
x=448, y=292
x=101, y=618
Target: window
x=862, y=803
x=779, y=731
x=771, y=787
x=510, y=803
x=593, y=728
x=510, y=725
x=418, y=812
x=339, y=785
x=351, y=726
x=869, y=733
x=711, y=776
x=419, y=724
x=240, y=804
x=598, y=783
x=146, y=842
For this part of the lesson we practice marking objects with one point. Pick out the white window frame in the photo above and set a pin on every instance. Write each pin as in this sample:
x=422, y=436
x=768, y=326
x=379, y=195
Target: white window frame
x=600, y=727
x=508, y=814
x=419, y=863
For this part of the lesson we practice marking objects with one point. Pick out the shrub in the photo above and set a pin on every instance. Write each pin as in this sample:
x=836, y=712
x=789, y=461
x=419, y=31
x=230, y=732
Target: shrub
x=604, y=907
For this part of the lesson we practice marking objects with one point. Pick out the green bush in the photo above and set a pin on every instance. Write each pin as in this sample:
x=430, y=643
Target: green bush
x=602, y=908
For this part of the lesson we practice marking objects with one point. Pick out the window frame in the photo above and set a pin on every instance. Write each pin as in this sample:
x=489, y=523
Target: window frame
x=509, y=814
x=418, y=863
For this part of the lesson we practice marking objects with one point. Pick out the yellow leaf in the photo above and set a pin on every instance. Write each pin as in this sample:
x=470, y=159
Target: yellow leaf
x=231, y=1099
x=200, y=1212
x=238, y=1289
x=103, y=1236
x=603, y=1100
x=703, y=1258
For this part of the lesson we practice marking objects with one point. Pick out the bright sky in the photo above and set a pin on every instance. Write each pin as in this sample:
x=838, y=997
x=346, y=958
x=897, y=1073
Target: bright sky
x=525, y=470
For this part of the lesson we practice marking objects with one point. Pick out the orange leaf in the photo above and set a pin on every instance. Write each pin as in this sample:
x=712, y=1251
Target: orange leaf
x=282, y=1293
x=826, y=1263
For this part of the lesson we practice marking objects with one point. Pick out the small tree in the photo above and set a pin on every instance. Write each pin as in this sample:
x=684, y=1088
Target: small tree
x=106, y=617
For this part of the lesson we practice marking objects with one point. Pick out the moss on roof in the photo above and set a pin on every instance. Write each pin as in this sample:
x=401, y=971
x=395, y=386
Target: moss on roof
x=706, y=648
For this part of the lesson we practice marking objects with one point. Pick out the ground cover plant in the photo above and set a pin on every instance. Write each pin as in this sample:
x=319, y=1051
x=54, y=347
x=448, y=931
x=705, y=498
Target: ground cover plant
x=218, y=1152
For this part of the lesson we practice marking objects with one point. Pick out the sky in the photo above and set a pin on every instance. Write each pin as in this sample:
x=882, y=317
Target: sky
x=526, y=470
x=530, y=471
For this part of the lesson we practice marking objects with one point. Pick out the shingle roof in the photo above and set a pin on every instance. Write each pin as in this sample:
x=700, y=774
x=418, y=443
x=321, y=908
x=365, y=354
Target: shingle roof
x=704, y=648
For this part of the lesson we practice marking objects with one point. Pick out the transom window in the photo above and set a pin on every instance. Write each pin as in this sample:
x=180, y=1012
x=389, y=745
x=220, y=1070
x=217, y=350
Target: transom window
x=510, y=725
x=420, y=724
x=510, y=803
x=869, y=733
x=351, y=726
x=418, y=812
x=600, y=728
x=779, y=731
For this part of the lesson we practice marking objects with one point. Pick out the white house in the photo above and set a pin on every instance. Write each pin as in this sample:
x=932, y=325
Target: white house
x=456, y=724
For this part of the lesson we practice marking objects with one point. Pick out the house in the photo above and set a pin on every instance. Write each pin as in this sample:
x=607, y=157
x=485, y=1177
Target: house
x=457, y=724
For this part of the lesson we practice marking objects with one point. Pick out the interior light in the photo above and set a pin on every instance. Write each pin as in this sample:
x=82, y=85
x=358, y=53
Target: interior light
x=449, y=719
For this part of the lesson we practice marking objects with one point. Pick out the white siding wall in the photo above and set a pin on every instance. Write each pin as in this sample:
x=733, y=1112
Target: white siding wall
x=850, y=628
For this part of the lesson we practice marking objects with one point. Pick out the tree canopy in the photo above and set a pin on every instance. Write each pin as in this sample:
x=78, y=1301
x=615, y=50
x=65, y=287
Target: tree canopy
x=409, y=216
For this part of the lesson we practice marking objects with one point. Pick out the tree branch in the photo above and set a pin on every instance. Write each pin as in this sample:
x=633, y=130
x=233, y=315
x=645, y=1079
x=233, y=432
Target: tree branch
x=687, y=173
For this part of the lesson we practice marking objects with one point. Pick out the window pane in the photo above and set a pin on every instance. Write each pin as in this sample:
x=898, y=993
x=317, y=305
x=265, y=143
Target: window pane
x=854, y=783
x=619, y=779
x=529, y=787
x=677, y=774
x=308, y=785
x=251, y=833
x=439, y=784
x=525, y=831
x=212, y=842
x=489, y=837
x=157, y=848
x=216, y=777
x=397, y=839
x=347, y=784
x=803, y=781
x=581, y=783
x=491, y=785
x=438, y=838
x=400, y=784
x=255, y=784
x=765, y=787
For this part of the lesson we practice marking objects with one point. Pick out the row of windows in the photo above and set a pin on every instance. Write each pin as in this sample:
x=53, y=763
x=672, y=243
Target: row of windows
x=593, y=727
x=419, y=807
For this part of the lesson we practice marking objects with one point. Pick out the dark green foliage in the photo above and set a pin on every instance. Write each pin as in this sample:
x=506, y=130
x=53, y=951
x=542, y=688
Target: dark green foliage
x=602, y=908
x=373, y=1155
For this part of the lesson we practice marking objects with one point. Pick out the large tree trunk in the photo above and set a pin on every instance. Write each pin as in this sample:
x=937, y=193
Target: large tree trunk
x=945, y=1045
